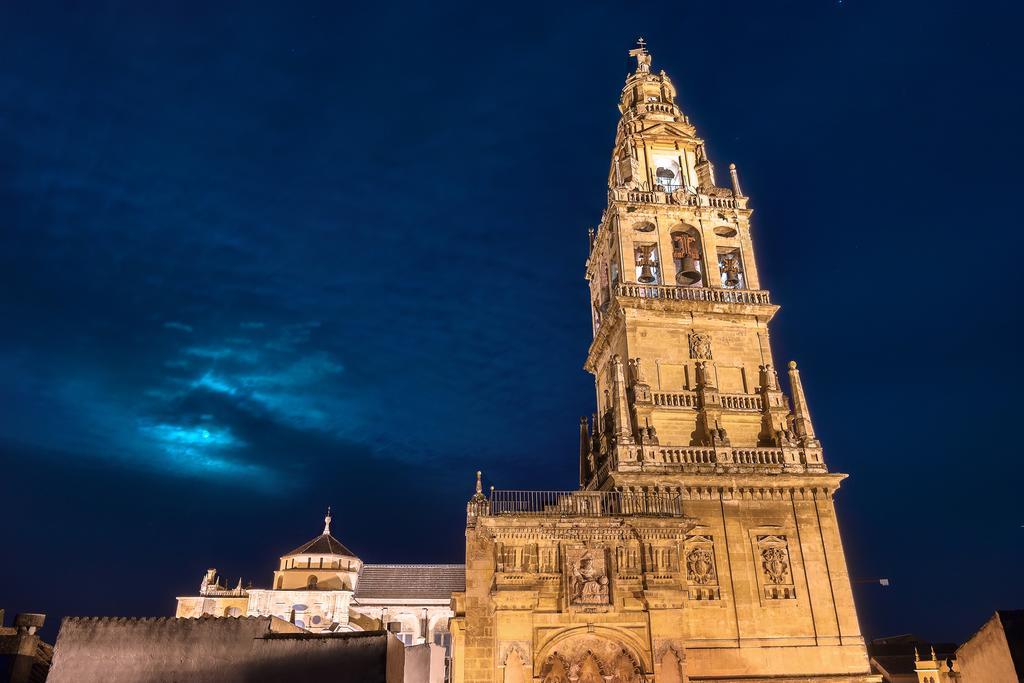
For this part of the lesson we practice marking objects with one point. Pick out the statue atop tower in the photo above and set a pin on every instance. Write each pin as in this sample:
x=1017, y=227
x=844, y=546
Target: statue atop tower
x=643, y=57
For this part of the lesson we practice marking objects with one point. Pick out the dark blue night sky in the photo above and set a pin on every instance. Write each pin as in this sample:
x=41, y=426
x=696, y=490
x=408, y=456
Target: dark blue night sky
x=256, y=260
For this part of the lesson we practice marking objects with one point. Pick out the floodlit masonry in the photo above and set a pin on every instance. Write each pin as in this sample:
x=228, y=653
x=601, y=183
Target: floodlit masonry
x=702, y=543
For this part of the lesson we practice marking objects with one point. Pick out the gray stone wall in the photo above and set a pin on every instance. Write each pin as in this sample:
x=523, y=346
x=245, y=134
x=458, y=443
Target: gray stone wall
x=218, y=650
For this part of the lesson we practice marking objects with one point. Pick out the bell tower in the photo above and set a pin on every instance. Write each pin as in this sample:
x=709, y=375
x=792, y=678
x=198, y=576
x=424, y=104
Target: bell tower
x=702, y=543
x=681, y=355
x=689, y=402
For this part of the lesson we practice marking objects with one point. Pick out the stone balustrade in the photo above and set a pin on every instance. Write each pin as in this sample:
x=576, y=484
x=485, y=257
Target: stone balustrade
x=744, y=402
x=665, y=399
x=677, y=198
x=687, y=456
x=759, y=456
x=711, y=294
x=697, y=455
x=688, y=399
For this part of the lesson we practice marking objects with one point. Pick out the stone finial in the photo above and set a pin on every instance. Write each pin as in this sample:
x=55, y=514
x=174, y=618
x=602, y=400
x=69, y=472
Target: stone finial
x=327, y=522
x=478, y=496
x=735, y=177
x=934, y=658
x=917, y=654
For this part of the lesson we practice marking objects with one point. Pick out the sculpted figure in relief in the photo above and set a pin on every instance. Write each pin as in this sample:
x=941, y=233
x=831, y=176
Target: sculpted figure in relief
x=589, y=584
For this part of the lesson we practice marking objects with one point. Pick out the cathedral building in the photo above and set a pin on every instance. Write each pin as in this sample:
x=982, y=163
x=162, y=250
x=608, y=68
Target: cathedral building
x=322, y=586
x=702, y=544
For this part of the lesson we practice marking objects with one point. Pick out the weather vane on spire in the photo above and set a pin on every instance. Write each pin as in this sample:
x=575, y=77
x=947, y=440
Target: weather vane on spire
x=643, y=57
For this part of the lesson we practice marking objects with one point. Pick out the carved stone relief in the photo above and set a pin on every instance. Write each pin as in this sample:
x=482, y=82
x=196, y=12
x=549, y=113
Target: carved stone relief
x=776, y=567
x=591, y=659
x=701, y=574
x=700, y=346
x=587, y=577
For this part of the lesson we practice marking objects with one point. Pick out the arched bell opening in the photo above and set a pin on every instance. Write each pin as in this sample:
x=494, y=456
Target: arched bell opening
x=687, y=257
x=730, y=266
x=648, y=266
x=667, y=173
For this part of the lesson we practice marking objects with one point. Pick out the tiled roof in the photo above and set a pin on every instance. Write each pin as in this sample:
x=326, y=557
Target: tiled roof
x=422, y=581
x=324, y=544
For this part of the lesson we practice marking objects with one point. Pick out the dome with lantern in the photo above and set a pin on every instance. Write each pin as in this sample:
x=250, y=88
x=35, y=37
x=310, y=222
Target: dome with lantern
x=323, y=564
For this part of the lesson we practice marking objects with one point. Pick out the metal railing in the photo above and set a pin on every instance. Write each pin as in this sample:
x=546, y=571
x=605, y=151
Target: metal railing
x=583, y=504
x=712, y=294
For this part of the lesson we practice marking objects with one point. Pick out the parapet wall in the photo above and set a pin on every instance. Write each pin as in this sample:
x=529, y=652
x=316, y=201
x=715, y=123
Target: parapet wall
x=218, y=650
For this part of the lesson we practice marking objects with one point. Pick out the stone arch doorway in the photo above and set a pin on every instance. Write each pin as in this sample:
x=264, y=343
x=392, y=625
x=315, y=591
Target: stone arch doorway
x=591, y=658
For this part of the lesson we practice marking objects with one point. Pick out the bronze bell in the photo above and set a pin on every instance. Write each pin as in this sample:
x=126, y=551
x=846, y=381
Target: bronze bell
x=688, y=272
x=732, y=272
x=646, y=274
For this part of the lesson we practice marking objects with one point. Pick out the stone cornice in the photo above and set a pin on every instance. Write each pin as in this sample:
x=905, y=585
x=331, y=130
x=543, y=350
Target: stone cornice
x=736, y=486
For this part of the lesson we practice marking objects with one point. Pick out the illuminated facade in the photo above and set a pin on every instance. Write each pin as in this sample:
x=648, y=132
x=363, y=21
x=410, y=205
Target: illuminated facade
x=702, y=543
x=323, y=586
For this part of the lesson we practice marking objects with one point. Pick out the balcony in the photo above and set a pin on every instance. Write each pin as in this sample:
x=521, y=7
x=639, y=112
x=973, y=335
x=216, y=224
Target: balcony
x=710, y=294
x=580, y=504
x=676, y=198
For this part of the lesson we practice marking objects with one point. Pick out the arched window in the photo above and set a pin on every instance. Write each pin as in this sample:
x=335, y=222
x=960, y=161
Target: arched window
x=311, y=583
x=280, y=582
x=687, y=257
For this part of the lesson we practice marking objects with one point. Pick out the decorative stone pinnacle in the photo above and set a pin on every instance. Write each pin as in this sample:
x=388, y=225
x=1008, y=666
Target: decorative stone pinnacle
x=479, y=497
x=327, y=522
x=734, y=176
x=801, y=413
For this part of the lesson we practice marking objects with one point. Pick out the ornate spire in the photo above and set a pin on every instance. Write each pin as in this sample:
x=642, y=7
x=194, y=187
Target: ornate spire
x=327, y=522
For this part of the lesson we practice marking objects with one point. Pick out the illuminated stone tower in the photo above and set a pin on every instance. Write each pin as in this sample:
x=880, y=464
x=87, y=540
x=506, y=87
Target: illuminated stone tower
x=703, y=542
